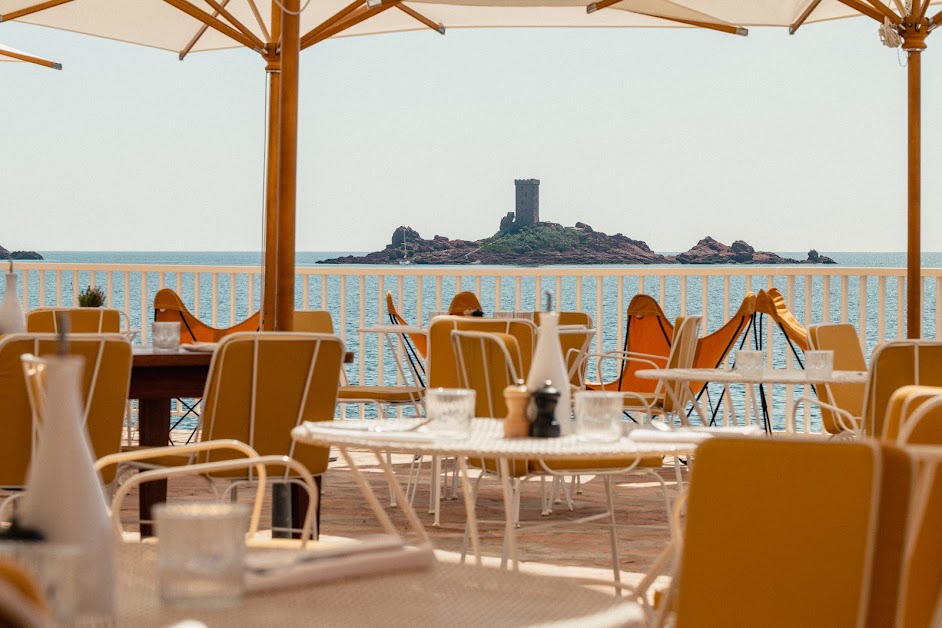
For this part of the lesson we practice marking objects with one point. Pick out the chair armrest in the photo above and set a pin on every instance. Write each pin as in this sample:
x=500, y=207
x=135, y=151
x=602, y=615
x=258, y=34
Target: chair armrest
x=845, y=419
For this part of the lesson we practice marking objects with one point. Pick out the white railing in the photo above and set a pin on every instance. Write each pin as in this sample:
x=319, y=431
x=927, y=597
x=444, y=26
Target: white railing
x=873, y=299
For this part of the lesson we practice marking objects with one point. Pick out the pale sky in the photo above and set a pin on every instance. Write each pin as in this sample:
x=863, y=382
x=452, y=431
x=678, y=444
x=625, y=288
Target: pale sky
x=667, y=135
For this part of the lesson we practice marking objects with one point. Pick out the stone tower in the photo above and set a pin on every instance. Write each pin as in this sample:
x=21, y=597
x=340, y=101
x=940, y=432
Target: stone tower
x=528, y=201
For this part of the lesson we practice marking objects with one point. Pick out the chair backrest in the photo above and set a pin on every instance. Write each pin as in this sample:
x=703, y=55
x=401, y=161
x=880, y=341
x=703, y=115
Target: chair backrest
x=418, y=341
x=793, y=527
x=921, y=584
x=892, y=366
x=105, y=381
x=168, y=306
x=313, y=322
x=842, y=339
x=488, y=362
x=648, y=331
x=772, y=303
x=82, y=320
x=922, y=423
x=903, y=403
x=575, y=345
x=568, y=318
x=464, y=304
x=263, y=384
x=442, y=365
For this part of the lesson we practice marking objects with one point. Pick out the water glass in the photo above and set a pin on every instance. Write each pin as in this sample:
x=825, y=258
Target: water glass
x=201, y=553
x=750, y=363
x=166, y=335
x=819, y=364
x=55, y=568
x=598, y=416
x=450, y=411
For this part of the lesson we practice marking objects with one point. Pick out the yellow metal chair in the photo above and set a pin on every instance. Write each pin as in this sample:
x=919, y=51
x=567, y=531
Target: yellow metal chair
x=841, y=404
x=921, y=584
x=892, y=366
x=105, y=381
x=811, y=548
x=903, y=403
x=442, y=365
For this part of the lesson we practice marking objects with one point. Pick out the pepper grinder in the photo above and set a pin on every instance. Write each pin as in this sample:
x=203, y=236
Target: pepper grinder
x=545, y=424
x=516, y=397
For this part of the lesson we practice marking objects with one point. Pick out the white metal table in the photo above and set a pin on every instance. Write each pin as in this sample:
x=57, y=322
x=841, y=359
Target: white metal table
x=766, y=376
x=486, y=441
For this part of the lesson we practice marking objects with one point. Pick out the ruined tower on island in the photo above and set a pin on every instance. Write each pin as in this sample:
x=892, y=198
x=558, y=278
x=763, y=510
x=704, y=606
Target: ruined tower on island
x=528, y=201
x=527, y=207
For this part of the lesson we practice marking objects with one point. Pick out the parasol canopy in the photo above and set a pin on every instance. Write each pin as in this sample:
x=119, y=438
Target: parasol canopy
x=278, y=32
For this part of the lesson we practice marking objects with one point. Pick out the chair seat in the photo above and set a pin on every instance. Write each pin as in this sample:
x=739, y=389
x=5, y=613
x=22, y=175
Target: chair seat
x=382, y=394
x=518, y=468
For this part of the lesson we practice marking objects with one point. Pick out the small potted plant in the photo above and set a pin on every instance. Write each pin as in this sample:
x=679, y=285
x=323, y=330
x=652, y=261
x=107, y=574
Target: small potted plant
x=92, y=296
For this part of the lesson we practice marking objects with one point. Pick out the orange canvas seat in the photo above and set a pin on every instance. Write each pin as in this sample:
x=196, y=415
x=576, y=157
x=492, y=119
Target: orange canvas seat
x=169, y=307
x=465, y=304
x=771, y=303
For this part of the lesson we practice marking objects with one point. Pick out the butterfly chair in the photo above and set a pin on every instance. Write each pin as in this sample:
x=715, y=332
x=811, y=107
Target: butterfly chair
x=465, y=304
x=669, y=397
x=416, y=344
x=754, y=528
x=104, y=392
x=648, y=334
x=260, y=386
x=488, y=363
x=95, y=320
x=892, y=366
x=841, y=404
x=169, y=307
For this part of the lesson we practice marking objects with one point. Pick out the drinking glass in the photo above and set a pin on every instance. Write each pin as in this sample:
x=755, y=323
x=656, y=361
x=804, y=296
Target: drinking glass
x=598, y=415
x=201, y=553
x=819, y=363
x=55, y=568
x=750, y=363
x=450, y=411
x=166, y=335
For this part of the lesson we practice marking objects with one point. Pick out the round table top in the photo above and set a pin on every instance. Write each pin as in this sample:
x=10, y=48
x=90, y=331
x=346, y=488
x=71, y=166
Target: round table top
x=444, y=594
x=486, y=439
x=766, y=376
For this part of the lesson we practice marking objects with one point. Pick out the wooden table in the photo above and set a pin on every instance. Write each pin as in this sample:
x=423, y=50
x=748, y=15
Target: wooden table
x=157, y=377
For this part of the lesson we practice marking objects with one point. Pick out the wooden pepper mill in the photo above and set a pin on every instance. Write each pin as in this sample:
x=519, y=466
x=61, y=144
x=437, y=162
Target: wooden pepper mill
x=516, y=425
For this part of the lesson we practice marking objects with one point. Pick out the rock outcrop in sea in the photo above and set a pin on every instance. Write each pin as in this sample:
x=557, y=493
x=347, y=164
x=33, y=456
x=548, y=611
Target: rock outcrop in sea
x=710, y=251
x=5, y=254
x=548, y=243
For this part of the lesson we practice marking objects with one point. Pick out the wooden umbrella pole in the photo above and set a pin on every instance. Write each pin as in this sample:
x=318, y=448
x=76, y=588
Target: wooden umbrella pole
x=287, y=165
x=914, y=43
x=914, y=240
x=271, y=181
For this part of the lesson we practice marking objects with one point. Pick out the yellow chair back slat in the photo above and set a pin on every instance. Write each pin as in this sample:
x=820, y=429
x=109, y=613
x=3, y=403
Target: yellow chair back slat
x=104, y=392
x=903, y=403
x=313, y=322
x=487, y=363
x=441, y=365
x=82, y=320
x=842, y=339
x=781, y=518
x=261, y=385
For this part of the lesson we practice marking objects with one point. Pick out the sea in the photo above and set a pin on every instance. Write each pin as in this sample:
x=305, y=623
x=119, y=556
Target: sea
x=369, y=370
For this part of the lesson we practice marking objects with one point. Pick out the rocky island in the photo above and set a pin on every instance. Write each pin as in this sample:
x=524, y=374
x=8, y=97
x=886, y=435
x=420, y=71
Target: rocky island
x=550, y=243
x=523, y=239
x=5, y=254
